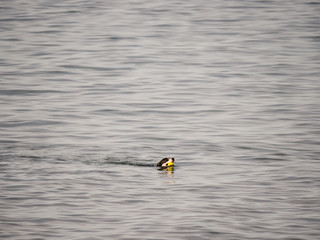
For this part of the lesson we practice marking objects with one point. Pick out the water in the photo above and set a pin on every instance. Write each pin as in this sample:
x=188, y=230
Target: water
x=94, y=93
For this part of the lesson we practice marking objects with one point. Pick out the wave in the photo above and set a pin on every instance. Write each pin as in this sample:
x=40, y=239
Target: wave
x=128, y=162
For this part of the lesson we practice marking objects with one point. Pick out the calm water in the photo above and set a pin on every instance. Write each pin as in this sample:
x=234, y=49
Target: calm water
x=94, y=93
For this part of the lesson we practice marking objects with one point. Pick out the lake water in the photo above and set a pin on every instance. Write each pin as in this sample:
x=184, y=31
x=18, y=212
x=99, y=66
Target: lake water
x=94, y=93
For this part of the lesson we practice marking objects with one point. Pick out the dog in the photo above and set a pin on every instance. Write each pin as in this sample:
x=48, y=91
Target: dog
x=166, y=162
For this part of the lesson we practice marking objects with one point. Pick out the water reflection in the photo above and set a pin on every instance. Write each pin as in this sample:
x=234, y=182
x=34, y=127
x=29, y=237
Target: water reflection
x=167, y=172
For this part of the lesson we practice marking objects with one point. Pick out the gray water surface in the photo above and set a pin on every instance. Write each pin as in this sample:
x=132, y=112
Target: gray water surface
x=94, y=93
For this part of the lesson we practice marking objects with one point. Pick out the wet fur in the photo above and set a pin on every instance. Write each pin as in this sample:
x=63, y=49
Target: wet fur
x=159, y=164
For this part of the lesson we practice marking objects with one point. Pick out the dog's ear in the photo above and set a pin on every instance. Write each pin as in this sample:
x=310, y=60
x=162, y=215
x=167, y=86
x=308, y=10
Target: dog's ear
x=162, y=162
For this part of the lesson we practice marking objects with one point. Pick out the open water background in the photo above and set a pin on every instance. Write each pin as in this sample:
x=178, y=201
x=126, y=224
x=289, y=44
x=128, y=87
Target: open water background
x=94, y=93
